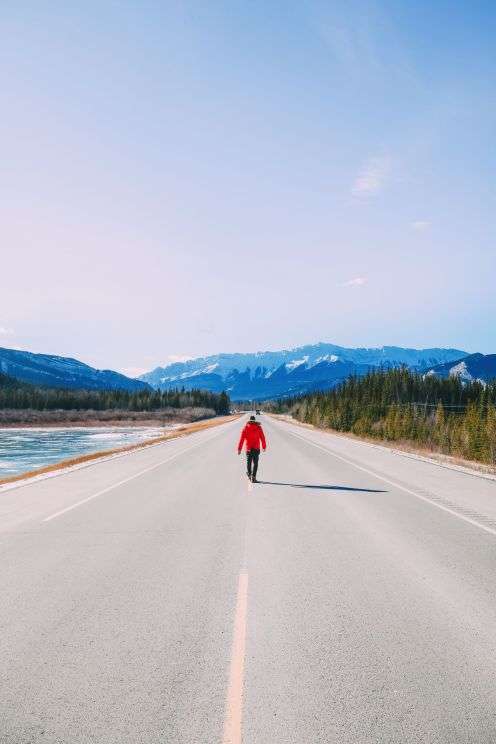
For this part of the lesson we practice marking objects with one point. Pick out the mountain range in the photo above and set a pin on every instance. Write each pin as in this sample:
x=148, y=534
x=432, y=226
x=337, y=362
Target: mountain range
x=56, y=371
x=480, y=367
x=269, y=374
x=257, y=376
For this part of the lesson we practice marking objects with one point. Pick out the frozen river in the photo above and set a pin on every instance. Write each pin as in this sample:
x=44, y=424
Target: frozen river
x=25, y=449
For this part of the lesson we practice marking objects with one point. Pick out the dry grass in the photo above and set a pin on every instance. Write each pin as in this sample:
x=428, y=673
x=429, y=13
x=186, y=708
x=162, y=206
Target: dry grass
x=181, y=432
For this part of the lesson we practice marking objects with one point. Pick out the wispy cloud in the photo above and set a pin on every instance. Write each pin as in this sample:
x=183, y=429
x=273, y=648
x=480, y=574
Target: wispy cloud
x=372, y=177
x=358, y=281
x=6, y=331
x=420, y=225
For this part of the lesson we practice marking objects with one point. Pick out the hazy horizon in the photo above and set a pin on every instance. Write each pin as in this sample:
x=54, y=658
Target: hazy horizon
x=184, y=180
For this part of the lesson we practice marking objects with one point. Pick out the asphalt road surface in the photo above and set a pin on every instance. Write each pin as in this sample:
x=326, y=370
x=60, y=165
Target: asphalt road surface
x=161, y=598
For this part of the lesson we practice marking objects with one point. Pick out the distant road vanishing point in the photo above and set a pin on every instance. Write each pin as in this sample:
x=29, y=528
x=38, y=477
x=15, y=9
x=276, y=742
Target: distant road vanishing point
x=159, y=597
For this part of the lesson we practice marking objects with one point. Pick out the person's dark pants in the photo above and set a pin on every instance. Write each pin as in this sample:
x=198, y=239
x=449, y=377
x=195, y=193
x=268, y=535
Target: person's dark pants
x=252, y=456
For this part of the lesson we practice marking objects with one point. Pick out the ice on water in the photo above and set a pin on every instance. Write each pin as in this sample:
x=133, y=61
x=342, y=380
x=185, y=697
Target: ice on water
x=24, y=449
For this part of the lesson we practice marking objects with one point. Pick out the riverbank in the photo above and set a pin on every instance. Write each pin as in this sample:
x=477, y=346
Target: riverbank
x=28, y=417
x=82, y=460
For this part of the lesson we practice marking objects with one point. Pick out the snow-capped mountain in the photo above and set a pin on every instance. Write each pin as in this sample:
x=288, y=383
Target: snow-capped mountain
x=470, y=367
x=268, y=374
x=55, y=371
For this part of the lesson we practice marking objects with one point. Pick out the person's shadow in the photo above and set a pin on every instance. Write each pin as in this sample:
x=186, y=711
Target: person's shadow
x=323, y=487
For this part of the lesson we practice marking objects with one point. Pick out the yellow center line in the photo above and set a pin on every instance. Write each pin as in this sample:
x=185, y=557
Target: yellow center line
x=234, y=702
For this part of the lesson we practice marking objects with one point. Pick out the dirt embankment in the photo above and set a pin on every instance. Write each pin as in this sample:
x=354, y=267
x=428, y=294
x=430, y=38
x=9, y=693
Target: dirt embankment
x=10, y=417
x=174, y=434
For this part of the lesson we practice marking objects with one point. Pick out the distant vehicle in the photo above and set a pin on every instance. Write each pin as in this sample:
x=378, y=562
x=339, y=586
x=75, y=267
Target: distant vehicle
x=258, y=413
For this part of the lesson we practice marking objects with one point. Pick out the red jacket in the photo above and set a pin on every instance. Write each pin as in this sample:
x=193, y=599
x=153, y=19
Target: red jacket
x=253, y=435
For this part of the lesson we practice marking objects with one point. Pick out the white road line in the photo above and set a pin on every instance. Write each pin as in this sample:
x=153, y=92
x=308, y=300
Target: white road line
x=125, y=480
x=398, y=485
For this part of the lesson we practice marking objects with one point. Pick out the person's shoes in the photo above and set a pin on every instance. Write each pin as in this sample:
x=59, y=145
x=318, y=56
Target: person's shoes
x=254, y=480
x=249, y=476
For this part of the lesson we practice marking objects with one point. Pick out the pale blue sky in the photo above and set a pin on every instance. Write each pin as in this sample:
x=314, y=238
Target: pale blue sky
x=184, y=178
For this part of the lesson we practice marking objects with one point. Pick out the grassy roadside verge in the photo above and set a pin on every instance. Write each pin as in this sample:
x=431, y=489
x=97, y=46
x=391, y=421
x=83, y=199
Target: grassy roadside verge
x=71, y=462
x=399, y=446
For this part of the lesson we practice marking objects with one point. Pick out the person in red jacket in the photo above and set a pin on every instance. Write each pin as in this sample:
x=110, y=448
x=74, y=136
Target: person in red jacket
x=253, y=435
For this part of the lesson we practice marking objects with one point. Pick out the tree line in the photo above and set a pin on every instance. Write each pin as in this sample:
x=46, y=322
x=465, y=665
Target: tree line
x=18, y=395
x=446, y=415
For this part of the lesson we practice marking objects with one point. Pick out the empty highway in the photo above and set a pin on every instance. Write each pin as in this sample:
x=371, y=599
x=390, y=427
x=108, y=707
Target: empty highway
x=160, y=598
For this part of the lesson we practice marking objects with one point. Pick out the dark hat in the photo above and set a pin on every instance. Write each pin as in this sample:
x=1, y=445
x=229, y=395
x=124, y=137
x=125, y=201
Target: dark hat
x=252, y=418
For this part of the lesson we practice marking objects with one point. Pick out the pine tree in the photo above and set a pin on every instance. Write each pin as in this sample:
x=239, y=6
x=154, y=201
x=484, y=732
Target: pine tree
x=224, y=404
x=440, y=433
x=491, y=433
